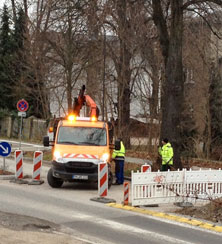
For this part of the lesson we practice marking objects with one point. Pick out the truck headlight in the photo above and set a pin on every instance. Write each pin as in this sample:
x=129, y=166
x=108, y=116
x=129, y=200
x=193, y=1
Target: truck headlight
x=105, y=157
x=58, y=157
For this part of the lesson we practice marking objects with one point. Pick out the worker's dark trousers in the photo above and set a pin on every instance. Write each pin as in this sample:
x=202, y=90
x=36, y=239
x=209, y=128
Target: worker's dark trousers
x=119, y=171
x=165, y=167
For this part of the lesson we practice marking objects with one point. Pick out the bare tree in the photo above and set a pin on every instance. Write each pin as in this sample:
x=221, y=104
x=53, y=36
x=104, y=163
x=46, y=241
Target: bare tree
x=121, y=25
x=66, y=38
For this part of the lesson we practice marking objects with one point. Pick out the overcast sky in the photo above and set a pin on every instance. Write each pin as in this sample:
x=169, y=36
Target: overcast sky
x=2, y=2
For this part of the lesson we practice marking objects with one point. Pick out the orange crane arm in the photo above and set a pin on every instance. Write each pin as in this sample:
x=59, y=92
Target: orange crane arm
x=93, y=107
x=82, y=100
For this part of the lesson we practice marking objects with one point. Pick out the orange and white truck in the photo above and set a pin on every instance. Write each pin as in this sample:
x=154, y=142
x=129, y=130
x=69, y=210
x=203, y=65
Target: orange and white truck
x=79, y=145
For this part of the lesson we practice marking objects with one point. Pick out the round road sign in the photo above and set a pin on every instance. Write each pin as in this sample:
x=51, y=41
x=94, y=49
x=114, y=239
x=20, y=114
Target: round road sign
x=22, y=105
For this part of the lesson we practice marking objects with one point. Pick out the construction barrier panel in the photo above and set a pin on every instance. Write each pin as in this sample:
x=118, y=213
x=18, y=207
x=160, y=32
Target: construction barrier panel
x=126, y=193
x=102, y=179
x=19, y=164
x=37, y=165
x=175, y=186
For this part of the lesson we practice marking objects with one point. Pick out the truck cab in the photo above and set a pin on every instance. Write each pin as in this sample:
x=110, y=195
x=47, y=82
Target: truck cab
x=80, y=144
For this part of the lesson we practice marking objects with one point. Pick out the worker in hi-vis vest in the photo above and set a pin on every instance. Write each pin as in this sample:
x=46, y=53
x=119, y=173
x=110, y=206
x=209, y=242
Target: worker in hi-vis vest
x=119, y=157
x=166, y=153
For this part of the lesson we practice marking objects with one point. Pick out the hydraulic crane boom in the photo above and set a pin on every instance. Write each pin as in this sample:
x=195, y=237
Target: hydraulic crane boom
x=85, y=100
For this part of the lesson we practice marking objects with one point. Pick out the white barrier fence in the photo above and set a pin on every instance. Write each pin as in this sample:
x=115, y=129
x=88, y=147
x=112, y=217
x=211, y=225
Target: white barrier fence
x=175, y=186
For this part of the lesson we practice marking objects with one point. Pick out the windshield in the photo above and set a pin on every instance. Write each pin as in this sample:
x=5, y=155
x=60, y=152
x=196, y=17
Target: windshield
x=82, y=136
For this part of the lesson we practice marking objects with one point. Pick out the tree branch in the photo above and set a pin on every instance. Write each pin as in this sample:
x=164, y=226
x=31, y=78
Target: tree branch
x=189, y=3
x=207, y=22
x=161, y=25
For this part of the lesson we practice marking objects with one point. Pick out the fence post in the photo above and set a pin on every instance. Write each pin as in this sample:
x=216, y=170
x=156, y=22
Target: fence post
x=132, y=191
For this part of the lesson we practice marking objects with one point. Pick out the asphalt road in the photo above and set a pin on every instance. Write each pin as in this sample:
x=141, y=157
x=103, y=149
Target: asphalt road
x=71, y=208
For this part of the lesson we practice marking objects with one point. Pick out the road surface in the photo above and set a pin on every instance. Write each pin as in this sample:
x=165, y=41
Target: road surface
x=72, y=209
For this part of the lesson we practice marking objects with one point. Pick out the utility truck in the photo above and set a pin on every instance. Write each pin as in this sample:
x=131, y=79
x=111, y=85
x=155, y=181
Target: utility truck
x=79, y=144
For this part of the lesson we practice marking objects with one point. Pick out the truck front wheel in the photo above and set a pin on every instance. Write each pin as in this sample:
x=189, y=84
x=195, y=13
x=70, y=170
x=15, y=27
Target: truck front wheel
x=53, y=181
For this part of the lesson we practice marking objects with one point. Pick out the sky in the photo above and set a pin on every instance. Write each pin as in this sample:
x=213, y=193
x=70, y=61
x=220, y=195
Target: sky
x=2, y=3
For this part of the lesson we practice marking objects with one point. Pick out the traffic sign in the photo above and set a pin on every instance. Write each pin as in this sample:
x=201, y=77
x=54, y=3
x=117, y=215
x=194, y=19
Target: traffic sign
x=22, y=114
x=5, y=149
x=22, y=105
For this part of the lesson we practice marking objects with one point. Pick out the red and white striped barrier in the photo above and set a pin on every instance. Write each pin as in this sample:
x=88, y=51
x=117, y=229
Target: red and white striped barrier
x=103, y=179
x=126, y=193
x=37, y=164
x=74, y=155
x=19, y=164
x=145, y=168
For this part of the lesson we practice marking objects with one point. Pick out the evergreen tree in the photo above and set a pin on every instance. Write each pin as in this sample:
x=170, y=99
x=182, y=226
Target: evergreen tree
x=6, y=57
x=29, y=86
x=215, y=103
x=19, y=30
x=19, y=62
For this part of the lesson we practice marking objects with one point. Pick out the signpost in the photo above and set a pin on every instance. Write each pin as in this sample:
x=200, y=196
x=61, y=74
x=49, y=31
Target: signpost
x=5, y=150
x=22, y=106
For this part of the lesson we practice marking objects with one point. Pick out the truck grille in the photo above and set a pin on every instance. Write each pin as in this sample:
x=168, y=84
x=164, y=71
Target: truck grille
x=81, y=167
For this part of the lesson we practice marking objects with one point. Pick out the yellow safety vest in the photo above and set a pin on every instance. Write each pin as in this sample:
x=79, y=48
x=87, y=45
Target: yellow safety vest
x=119, y=153
x=166, y=152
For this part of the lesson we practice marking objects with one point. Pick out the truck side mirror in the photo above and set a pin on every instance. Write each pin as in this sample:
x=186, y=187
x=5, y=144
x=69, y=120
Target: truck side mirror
x=46, y=141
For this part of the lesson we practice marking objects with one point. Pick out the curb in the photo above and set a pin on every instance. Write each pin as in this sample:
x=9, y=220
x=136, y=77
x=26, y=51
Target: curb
x=7, y=177
x=36, y=182
x=171, y=217
x=19, y=181
x=103, y=200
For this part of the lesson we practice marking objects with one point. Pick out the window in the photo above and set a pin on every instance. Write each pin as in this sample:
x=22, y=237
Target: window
x=82, y=136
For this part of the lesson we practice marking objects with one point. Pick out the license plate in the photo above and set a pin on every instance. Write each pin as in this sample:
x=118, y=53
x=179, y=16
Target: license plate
x=80, y=177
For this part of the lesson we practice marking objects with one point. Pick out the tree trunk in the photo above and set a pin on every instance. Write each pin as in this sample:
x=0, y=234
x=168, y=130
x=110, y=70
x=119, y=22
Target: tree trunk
x=124, y=75
x=25, y=7
x=124, y=98
x=172, y=88
x=94, y=84
x=69, y=63
x=13, y=10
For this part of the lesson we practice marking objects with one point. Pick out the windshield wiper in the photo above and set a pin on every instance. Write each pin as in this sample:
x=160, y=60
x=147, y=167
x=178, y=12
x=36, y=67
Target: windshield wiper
x=67, y=142
x=88, y=143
